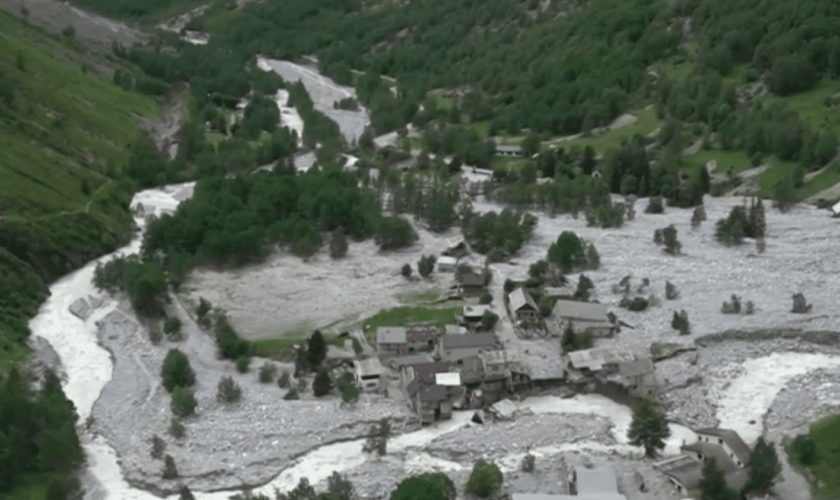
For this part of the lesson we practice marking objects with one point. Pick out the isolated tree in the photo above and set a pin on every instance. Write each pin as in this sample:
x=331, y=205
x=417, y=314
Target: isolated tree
x=185, y=494
x=322, y=384
x=183, y=402
x=649, y=427
x=204, y=307
x=630, y=207
x=658, y=238
x=757, y=224
x=698, y=216
x=158, y=447
x=733, y=306
x=377, y=441
x=177, y=429
x=800, y=306
x=593, y=258
x=228, y=391
x=302, y=366
x=172, y=328
x=528, y=463
x=169, y=469
x=680, y=322
x=764, y=467
x=426, y=265
x=267, y=372
x=672, y=244
x=655, y=205
x=176, y=370
x=713, y=484
x=348, y=388
x=291, y=394
x=316, y=349
x=489, y=320
x=406, y=271
x=671, y=292
x=283, y=379
x=429, y=486
x=485, y=479
x=567, y=253
x=583, y=288
x=339, y=488
x=749, y=308
x=243, y=363
x=338, y=244
x=485, y=298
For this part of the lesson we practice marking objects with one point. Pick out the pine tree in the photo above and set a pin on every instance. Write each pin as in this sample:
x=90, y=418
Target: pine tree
x=338, y=244
x=169, y=469
x=322, y=384
x=698, y=216
x=764, y=468
x=649, y=427
x=757, y=223
x=713, y=485
x=317, y=349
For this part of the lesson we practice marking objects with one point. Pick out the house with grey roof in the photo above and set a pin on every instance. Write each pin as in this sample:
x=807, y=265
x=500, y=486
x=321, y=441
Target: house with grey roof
x=725, y=446
x=401, y=340
x=390, y=339
x=638, y=376
x=446, y=264
x=509, y=151
x=455, y=347
x=369, y=373
x=583, y=317
x=522, y=305
x=471, y=284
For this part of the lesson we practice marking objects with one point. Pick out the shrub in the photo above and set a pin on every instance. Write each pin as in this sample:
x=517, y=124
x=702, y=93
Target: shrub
x=698, y=216
x=69, y=32
x=172, y=328
x=155, y=334
x=732, y=307
x=243, y=363
x=426, y=265
x=183, y=402
x=760, y=245
x=283, y=379
x=805, y=449
x=800, y=306
x=291, y=394
x=509, y=286
x=322, y=384
x=348, y=388
x=749, y=308
x=169, y=470
x=583, y=287
x=204, y=307
x=316, y=349
x=658, y=238
x=158, y=447
x=267, y=372
x=338, y=244
x=485, y=479
x=185, y=494
x=230, y=345
x=655, y=205
x=572, y=341
x=528, y=463
x=485, y=298
x=671, y=292
x=489, y=320
x=176, y=370
x=606, y=215
x=177, y=429
x=634, y=304
x=672, y=245
x=228, y=391
x=680, y=322
x=406, y=271
x=593, y=258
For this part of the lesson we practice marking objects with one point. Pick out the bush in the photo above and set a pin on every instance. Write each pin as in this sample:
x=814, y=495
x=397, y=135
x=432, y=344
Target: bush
x=805, y=449
x=283, y=379
x=169, y=470
x=177, y=429
x=698, y=216
x=406, y=271
x=606, y=215
x=291, y=394
x=338, y=244
x=426, y=265
x=680, y=322
x=429, y=486
x=485, y=298
x=485, y=479
x=267, y=372
x=158, y=447
x=243, y=363
x=155, y=334
x=322, y=384
x=183, y=402
x=230, y=345
x=583, y=287
x=316, y=349
x=172, y=328
x=655, y=205
x=800, y=306
x=634, y=304
x=671, y=292
x=732, y=307
x=672, y=245
x=572, y=341
x=176, y=370
x=228, y=391
x=760, y=245
x=489, y=320
x=204, y=307
x=749, y=308
x=395, y=232
x=348, y=388
x=528, y=463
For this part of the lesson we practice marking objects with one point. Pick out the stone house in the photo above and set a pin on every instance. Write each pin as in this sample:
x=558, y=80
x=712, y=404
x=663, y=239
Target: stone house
x=471, y=284
x=638, y=376
x=368, y=373
x=583, y=317
x=430, y=400
x=522, y=305
x=446, y=264
x=402, y=340
x=732, y=455
x=455, y=347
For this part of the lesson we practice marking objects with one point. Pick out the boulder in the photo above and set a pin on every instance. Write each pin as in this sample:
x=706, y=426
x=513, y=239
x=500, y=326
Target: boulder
x=80, y=309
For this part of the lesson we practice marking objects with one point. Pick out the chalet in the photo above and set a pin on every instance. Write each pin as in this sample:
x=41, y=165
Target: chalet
x=732, y=455
x=505, y=150
x=522, y=305
x=637, y=375
x=446, y=264
x=583, y=317
x=455, y=347
x=471, y=284
x=369, y=373
x=401, y=340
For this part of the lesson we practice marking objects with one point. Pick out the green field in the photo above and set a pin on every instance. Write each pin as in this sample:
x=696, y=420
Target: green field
x=810, y=106
x=826, y=469
x=736, y=160
x=646, y=122
x=282, y=348
x=400, y=316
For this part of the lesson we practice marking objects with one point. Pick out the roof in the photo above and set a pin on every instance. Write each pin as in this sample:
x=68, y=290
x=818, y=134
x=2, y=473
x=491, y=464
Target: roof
x=467, y=341
x=390, y=335
x=511, y=149
x=520, y=299
x=836, y=208
x=414, y=359
x=731, y=438
x=433, y=393
x=454, y=330
x=684, y=469
x=446, y=260
x=421, y=332
x=635, y=368
x=369, y=366
x=559, y=291
x=713, y=450
x=472, y=279
x=425, y=372
x=449, y=378
x=475, y=311
x=580, y=311
x=595, y=359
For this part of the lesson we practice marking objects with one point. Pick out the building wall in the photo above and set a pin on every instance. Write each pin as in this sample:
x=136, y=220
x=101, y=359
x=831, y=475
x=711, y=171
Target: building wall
x=717, y=440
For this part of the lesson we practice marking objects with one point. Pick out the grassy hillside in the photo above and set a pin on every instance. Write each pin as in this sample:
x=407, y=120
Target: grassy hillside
x=65, y=135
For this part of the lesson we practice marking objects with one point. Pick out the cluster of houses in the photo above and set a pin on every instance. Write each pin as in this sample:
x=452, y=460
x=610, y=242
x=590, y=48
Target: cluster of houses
x=579, y=316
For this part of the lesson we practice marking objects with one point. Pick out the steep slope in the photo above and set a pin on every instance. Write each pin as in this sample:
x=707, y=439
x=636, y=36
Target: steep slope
x=65, y=134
